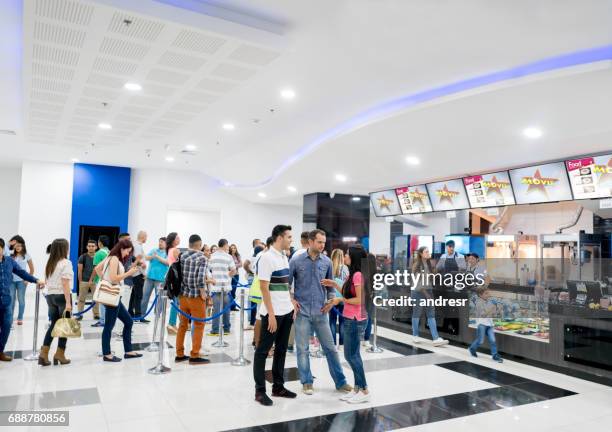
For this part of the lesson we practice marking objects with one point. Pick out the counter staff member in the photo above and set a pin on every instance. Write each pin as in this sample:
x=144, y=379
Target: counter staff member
x=451, y=261
x=476, y=267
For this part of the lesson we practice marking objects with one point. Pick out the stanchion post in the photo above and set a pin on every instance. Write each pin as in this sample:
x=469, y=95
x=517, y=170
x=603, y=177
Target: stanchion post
x=34, y=354
x=374, y=348
x=160, y=368
x=241, y=361
x=153, y=347
x=220, y=342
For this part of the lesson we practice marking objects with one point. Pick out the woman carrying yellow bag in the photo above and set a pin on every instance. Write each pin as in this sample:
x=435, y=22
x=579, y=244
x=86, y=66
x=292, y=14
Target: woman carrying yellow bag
x=60, y=276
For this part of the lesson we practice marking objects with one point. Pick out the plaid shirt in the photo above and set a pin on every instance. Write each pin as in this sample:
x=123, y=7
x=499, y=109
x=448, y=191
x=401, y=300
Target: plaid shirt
x=193, y=265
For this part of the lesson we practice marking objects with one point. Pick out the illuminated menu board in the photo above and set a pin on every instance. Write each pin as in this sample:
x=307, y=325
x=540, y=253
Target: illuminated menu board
x=448, y=195
x=413, y=199
x=541, y=184
x=385, y=203
x=489, y=190
x=591, y=177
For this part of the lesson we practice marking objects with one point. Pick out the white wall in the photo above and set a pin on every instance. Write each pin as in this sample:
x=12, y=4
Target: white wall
x=10, y=179
x=547, y=218
x=45, y=207
x=380, y=233
x=155, y=192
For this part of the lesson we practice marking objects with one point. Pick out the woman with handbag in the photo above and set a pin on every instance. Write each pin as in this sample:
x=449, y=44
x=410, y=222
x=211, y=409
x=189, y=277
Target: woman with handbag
x=60, y=275
x=113, y=273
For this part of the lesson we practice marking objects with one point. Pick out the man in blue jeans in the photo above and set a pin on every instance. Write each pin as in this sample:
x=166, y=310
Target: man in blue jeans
x=306, y=272
x=8, y=267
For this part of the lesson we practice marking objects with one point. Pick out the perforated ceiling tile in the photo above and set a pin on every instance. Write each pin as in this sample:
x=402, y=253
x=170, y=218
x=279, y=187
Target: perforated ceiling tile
x=87, y=112
x=198, y=42
x=253, y=55
x=178, y=116
x=52, y=72
x=150, y=89
x=44, y=115
x=99, y=94
x=105, y=81
x=230, y=71
x=50, y=85
x=148, y=101
x=138, y=110
x=199, y=97
x=41, y=106
x=51, y=124
x=188, y=107
x=123, y=48
x=167, y=77
x=215, y=85
x=51, y=33
x=75, y=128
x=181, y=61
x=115, y=67
x=131, y=119
x=159, y=131
x=55, y=55
x=168, y=124
x=135, y=27
x=74, y=12
x=94, y=104
x=57, y=98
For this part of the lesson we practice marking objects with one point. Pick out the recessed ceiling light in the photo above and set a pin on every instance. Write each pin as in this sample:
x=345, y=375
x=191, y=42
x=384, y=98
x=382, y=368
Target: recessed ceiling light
x=105, y=126
x=132, y=86
x=356, y=198
x=262, y=195
x=412, y=160
x=341, y=177
x=229, y=126
x=291, y=188
x=169, y=159
x=532, y=132
x=191, y=147
x=287, y=94
x=74, y=160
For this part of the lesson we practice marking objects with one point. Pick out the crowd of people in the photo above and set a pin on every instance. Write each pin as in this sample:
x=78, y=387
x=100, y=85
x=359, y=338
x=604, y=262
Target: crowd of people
x=305, y=298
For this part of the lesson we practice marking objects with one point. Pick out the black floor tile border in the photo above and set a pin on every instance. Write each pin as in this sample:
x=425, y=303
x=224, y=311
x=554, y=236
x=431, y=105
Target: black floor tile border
x=512, y=391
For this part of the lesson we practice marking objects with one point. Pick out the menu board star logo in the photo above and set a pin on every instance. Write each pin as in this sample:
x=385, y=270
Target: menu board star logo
x=446, y=195
x=417, y=198
x=538, y=183
x=495, y=186
x=384, y=203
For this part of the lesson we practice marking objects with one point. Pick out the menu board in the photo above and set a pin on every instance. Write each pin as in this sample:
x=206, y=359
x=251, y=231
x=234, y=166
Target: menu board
x=541, y=183
x=385, y=203
x=489, y=190
x=448, y=195
x=591, y=177
x=413, y=199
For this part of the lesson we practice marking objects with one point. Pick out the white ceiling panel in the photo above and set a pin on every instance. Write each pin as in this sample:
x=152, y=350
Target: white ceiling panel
x=68, y=11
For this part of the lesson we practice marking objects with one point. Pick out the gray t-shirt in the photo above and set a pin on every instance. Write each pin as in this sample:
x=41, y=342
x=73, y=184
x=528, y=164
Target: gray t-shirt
x=138, y=251
x=87, y=262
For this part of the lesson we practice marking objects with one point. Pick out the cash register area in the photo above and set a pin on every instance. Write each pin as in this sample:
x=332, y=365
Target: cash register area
x=422, y=387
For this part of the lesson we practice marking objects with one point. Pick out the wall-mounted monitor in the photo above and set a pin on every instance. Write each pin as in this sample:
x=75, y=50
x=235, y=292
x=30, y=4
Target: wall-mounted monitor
x=541, y=183
x=385, y=203
x=489, y=190
x=413, y=199
x=591, y=177
x=448, y=195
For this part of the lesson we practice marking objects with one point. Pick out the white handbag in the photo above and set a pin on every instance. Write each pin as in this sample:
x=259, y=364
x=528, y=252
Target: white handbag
x=106, y=293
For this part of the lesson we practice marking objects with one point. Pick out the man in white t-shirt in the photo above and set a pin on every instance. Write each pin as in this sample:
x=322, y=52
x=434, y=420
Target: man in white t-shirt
x=277, y=310
x=222, y=268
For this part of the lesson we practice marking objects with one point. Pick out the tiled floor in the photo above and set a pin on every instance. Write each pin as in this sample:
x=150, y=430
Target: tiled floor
x=422, y=389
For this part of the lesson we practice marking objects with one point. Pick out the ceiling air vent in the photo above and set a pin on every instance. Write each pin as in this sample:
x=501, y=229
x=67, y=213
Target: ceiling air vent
x=7, y=132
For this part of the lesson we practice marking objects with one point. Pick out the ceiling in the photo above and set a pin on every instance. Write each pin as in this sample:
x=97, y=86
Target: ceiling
x=205, y=63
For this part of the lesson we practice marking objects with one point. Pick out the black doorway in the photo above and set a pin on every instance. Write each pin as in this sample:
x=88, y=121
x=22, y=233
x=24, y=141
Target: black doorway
x=89, y=232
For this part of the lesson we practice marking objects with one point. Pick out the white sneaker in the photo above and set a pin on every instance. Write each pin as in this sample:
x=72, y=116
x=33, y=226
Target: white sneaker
x=359, y=398
x=307, y=389
x=348, y=396
x=416, y=340
x=439, y=342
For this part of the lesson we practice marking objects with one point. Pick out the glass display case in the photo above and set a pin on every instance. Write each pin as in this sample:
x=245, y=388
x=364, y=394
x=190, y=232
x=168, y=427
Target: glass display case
x=512, y=258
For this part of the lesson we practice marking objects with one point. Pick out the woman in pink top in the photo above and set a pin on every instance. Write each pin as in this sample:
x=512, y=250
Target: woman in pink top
x=354, y=295
x=172, y=242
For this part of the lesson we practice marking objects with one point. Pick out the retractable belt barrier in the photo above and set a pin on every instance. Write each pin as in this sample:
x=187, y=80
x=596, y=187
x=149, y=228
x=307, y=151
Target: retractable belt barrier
x=138, y=318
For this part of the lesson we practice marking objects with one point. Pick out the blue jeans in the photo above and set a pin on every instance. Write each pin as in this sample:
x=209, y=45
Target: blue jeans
x=481, y=332
x=218, y=308
x=304, y=326
x=368, y=330
x=6, y=318
x=150, y=286
x=430, y=313
x=353, y=333
x=18, y=290
x=112, y=313
x=336, y=321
